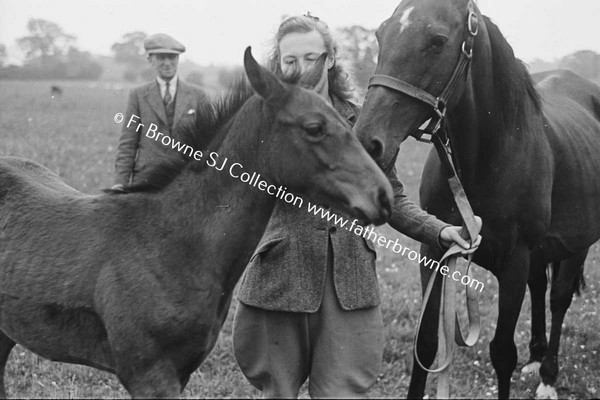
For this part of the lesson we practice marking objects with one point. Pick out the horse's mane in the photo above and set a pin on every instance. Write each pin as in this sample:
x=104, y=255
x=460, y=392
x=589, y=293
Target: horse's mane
x=211, y=117
x=513, y=83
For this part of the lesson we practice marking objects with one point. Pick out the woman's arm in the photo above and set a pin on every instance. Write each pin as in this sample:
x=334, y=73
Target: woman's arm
x=411, y=220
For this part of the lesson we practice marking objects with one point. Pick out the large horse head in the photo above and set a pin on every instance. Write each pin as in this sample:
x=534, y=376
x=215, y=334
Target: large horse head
x=425, y=49
x=310, y=148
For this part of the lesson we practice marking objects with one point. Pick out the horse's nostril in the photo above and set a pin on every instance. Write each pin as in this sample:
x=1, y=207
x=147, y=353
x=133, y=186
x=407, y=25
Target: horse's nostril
x=375, y=149
x=384, y=202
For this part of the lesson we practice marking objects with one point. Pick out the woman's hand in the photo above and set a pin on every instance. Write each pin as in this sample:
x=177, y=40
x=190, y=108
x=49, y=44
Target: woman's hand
x=452, y=234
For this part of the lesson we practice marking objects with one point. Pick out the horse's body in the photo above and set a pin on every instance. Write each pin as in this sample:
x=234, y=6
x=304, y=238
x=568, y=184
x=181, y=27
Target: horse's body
x=139, y=284
x=528, y=157
x=567, y=274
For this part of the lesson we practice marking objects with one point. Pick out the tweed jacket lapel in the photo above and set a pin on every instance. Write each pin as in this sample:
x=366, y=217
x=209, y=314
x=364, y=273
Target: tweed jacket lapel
x=153, y=98
x=345, y=108
x=183, y=98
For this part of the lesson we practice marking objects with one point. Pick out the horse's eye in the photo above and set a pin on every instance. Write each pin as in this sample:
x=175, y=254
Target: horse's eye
x=438, y=42
x=314, y=130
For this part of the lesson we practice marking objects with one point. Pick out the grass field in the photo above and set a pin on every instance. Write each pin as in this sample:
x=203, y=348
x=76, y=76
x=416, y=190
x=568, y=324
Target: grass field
x=75, y=136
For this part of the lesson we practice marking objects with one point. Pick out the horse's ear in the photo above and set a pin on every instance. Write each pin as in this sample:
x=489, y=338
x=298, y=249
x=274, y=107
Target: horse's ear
x=313, y=77
x=263, y=81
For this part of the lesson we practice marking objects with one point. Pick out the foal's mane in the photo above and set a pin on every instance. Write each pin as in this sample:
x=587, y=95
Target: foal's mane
x=211, y=118
x=216, y=115
x=513, y=84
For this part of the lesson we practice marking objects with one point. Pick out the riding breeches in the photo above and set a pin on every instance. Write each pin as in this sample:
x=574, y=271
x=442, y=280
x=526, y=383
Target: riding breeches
x=340, y=352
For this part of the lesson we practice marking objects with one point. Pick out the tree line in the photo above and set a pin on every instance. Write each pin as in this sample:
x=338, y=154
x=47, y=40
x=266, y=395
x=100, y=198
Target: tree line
x=51, y=53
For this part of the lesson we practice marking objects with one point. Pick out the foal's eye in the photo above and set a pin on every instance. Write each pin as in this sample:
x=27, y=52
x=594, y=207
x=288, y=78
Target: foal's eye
x=314, y=130
x=438, y=41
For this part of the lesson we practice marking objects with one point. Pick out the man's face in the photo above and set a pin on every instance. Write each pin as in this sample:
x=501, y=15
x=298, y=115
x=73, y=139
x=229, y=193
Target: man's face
x=165, y=64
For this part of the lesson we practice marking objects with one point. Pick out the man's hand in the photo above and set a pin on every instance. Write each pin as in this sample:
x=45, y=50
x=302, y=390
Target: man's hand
x=452, y=234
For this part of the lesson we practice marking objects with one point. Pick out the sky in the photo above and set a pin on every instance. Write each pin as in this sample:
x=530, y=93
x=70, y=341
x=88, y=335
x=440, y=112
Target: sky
x=217, y=31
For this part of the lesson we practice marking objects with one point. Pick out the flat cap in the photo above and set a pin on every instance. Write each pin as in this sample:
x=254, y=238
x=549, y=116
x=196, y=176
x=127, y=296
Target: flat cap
x=162, y=43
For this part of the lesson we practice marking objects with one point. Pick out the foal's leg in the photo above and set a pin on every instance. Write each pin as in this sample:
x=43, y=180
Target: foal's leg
x=512, y=279
x=6, y=345
x=428, y=335
x=537, y=288
x=563, y=287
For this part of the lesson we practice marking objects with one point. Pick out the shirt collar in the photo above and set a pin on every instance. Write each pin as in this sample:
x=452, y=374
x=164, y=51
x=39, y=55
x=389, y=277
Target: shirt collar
x=163, y=84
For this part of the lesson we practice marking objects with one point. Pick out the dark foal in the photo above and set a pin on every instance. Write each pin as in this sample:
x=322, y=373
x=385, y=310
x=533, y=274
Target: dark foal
x=139, y=283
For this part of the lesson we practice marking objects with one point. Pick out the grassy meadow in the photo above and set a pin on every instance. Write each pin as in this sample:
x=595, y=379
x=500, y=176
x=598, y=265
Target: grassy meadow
x=75, y=136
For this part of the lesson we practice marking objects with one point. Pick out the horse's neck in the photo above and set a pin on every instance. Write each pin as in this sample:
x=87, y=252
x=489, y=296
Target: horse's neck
x=223, y=217
x=481, y=139
x=464, y=127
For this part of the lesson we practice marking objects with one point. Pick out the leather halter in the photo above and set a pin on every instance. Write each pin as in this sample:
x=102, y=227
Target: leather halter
x=439, y=104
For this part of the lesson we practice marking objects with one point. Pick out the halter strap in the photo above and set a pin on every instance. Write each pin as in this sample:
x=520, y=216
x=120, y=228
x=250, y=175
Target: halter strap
x=404, y=87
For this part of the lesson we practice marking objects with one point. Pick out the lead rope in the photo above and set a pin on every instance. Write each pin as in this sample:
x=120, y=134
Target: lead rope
x=449, y=331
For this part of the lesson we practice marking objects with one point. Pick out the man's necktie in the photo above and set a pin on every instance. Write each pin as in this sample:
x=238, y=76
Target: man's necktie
x=167, y=98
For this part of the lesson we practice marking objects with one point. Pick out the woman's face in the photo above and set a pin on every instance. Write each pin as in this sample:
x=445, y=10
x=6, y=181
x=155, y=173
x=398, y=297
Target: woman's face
x=301, y=50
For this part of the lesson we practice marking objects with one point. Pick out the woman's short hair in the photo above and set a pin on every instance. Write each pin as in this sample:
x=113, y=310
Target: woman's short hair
x=340, y=81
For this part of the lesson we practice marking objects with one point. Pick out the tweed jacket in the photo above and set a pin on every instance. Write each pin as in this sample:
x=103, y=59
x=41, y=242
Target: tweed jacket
x=135, y=151
x=287, y=270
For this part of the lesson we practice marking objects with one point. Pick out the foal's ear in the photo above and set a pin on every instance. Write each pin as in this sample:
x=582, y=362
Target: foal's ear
x=263, y=81
x=313, y=77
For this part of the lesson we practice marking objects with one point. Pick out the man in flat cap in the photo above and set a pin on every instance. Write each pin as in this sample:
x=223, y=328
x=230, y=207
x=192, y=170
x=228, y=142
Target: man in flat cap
x=166, y=102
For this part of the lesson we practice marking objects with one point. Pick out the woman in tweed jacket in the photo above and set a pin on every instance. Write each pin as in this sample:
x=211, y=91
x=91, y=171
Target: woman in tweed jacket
x=309, y=299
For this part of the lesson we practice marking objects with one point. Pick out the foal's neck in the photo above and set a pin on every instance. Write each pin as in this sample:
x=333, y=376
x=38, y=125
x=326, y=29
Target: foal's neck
x=220, y=216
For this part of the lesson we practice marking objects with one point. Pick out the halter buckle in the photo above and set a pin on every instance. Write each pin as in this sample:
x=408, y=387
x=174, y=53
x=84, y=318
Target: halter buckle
x=473, y=23
x=440, y=109
x=468, y=54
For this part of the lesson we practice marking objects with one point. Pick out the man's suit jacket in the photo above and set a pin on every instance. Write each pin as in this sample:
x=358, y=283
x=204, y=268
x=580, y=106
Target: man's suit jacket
x=136, y=152
x=287, y=271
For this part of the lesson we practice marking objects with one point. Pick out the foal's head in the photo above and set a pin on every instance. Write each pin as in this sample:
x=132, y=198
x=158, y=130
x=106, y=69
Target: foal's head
x=310, y=148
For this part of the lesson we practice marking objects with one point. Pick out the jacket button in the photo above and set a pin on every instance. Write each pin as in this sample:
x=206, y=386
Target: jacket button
x=332, y=229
